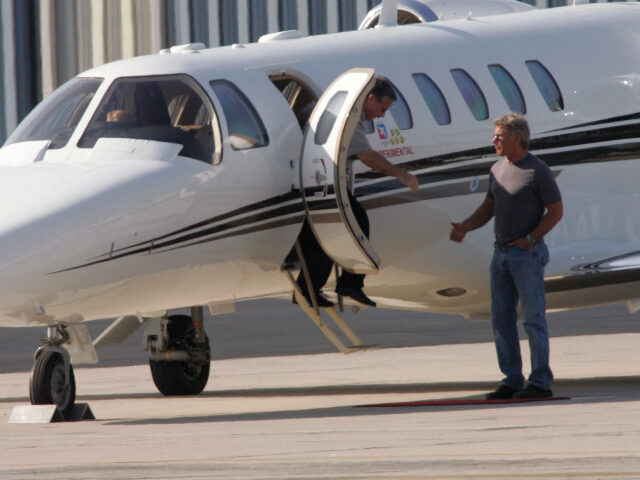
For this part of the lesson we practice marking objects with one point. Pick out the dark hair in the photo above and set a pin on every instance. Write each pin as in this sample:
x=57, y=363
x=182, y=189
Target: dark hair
x=383, y=88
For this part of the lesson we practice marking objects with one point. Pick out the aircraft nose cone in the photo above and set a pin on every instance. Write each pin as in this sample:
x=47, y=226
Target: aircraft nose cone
x=21, y=246
x=17, y=246
x=20, y=239
x=40, y=215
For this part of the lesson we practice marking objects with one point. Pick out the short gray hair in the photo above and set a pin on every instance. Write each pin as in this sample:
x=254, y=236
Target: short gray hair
x=515, y=124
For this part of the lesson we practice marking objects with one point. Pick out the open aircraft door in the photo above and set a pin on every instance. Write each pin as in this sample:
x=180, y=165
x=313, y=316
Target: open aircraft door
x=323, y=172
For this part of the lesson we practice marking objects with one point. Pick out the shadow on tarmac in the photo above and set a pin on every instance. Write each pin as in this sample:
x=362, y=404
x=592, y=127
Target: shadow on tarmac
x=579, y=391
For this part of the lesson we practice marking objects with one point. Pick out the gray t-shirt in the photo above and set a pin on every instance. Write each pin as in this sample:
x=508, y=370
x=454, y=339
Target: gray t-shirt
x=359, y=140
x=358, y=143
x=520, y=191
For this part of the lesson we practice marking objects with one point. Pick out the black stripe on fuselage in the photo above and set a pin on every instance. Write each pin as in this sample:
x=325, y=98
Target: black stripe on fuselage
x=591, y=280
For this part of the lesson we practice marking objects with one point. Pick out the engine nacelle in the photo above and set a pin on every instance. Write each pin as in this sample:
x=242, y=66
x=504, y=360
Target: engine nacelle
x=423, y=11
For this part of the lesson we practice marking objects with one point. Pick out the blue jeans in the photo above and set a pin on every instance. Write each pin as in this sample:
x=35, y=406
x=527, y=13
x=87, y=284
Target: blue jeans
x=517, y=274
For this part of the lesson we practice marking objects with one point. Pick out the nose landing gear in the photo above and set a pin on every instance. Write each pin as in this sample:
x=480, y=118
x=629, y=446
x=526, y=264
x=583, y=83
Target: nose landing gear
x=52, y=380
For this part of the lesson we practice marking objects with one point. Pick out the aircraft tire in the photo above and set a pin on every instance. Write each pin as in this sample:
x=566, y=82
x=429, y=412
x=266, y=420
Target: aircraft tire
x=48, y=383
x=180, y=378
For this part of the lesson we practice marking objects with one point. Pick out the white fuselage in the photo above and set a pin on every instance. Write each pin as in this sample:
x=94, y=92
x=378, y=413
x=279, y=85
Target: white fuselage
x=131, y=227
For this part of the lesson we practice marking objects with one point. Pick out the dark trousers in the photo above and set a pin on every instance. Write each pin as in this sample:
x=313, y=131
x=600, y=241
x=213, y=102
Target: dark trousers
x=319, y=263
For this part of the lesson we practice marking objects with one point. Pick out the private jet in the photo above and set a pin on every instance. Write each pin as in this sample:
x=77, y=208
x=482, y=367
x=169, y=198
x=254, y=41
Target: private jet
x=182, y=179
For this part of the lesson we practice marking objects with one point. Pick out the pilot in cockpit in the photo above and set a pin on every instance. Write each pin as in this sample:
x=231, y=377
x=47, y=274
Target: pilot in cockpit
x=120, y=116
x=140, y=111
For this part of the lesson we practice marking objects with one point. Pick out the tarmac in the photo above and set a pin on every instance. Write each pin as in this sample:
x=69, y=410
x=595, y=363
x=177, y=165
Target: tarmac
x=296, y=417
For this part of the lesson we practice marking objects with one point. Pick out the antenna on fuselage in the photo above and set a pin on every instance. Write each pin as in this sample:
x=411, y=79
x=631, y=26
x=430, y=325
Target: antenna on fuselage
x=388, y=14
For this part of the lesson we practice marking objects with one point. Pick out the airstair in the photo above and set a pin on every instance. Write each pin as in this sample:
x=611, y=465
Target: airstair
x=313, y=311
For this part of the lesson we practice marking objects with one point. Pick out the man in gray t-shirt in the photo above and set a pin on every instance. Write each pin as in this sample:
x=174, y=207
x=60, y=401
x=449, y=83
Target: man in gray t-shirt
x=521, y=188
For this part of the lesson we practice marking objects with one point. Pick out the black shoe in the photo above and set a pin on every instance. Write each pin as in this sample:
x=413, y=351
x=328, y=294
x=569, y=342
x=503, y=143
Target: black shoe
x=531, y=391
x=504, y=392
x=323, y=301
x=355, y=293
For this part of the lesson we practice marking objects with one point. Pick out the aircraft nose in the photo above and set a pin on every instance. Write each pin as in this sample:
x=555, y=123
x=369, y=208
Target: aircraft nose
x=21, y=274
x=21, y=246
x=18, y=244
x=38, y=215
x=21, y=201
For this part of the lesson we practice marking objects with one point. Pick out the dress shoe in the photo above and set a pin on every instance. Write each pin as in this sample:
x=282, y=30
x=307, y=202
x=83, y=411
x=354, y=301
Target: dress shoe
x=503, y=392
x=356, y=294
x=323, y=301
x=532, y=391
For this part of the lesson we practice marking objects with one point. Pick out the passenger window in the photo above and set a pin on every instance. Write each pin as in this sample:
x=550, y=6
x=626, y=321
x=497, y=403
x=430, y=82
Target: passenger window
x=509, y=88
x=56, y=117
x=471, y=93
x=400, y=111
x=245, y=127
x=328, y=118
x=167, y=109
x=546, y=84
x=434, y=98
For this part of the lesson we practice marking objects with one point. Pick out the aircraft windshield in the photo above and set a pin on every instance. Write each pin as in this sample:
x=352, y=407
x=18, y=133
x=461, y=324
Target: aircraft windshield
x=57, y=116
x=166, y=108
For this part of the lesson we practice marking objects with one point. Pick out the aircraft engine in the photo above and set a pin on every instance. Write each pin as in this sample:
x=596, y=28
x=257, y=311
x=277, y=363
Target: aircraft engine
x=423, y=11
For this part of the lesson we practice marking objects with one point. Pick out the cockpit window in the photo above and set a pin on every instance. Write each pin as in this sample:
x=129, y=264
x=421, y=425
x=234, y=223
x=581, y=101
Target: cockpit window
x=245, y=127
x=167, y=108
x=57, y=116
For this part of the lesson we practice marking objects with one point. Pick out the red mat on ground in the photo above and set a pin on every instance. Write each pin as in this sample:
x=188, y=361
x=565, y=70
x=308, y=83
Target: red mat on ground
x=461, y=401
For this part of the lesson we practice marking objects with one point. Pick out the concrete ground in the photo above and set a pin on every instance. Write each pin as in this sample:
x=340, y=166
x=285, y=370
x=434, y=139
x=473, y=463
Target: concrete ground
x=295, y=417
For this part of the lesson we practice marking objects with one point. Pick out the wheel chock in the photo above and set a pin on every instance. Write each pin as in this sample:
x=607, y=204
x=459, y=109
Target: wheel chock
x=80, y=411
x=49, y=414
x=36, y=414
